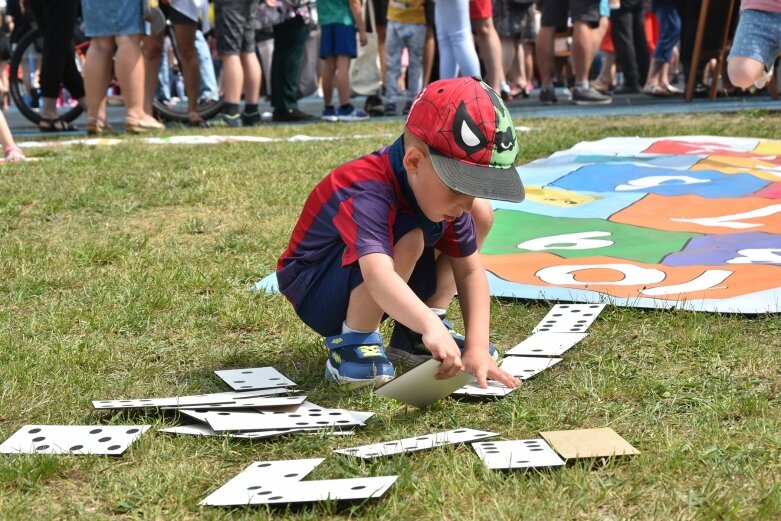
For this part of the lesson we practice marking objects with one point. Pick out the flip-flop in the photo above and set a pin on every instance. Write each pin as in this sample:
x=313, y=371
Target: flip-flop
x=656, y=90
x=55, y=125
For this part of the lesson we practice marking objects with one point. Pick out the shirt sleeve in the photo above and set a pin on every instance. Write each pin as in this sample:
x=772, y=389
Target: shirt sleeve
x=365, y=223
x=460, y=238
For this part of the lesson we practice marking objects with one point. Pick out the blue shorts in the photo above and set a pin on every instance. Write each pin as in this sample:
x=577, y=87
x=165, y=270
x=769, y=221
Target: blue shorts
x=758, y=36
x=338, y=40
x=324, y=308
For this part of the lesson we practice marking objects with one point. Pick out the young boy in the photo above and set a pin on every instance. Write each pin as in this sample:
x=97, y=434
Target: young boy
x=338, y=22
x=394, y=232
x=756, y=44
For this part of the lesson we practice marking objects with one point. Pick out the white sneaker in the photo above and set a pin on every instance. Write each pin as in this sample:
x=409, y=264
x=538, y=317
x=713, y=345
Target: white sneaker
x=764, y=79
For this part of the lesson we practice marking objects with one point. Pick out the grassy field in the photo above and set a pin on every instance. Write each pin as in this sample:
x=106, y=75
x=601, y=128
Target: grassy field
x=124, y=273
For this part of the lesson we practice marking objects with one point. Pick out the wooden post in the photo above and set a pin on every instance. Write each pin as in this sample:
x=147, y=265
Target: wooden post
x=697, y=48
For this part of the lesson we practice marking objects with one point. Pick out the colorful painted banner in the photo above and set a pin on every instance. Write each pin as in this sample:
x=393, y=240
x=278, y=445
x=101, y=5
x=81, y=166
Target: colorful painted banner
x=680, y=222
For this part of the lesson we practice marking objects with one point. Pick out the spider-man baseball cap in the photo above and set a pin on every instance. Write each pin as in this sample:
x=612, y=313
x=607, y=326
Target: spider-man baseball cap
x=471, y=138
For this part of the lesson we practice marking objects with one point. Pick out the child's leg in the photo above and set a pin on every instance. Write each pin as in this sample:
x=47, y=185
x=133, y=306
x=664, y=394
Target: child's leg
x=743, y=72
x=329, y=70
x=10, y=150
x=343, y=79
x=754, y=47
x=483, y=215
x=363, y=314
x=393, y=49
x=415, y=41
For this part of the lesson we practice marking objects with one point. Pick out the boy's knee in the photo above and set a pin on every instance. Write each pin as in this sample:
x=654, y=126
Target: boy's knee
x=483, y=215
x=411, y=244
x=743, y=72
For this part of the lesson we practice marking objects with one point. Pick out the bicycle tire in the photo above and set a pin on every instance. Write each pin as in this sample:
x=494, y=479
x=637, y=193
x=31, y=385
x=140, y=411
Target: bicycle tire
x=16, y=86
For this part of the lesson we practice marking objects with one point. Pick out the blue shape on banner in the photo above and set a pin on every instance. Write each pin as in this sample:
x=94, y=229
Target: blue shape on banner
x=723, y=250
x=631, y=178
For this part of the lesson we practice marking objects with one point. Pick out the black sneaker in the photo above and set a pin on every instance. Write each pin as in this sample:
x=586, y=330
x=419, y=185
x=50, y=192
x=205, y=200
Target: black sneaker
x=548, y=96
x=407, y=107
x=406, y=346
x=250, y=120
x=589, y=96
x=390, y=109
x=290, y=115
x=374, y=106
x=232, y=121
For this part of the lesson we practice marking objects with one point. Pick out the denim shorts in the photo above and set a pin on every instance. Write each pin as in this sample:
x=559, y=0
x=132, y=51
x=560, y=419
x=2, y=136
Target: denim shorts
x=758, y=36
x=338, y=40
x=112, y=17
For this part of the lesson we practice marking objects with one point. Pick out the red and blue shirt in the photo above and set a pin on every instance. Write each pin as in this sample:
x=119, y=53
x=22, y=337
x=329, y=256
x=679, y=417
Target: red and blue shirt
x=353, y=211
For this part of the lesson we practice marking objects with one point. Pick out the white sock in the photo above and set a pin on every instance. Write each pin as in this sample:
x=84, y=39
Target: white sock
x=348, y=329
x=439, y=312
x=585, y=85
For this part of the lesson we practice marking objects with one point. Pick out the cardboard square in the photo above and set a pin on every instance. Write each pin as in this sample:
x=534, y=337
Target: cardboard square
x=109, y=440
x=254, y=378
x=418, y=386
x=588, y=443
x=494, y=389
x=525, y=367
x=423, y=442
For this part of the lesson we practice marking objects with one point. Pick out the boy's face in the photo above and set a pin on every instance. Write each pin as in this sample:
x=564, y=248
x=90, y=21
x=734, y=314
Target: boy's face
x=438, y=201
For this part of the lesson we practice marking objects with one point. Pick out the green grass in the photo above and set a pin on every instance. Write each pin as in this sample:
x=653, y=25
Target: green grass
x=124, y=273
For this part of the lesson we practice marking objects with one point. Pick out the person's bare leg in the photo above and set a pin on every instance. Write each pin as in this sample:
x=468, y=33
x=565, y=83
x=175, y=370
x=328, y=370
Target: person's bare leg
x=583, y=50
x=381, y=32
x=342, y=76
x=607, y=73
x=528, y=49
x=490, y=50
x=251, y=69
x=152, y=48
x=185, y=39
x=483, y=215
x=429, y=50
x=232, y=78
x=129, y=69
x=545, y=55
x=743, y=72
x=328, y=80
x=97, y=74
x=363, y=313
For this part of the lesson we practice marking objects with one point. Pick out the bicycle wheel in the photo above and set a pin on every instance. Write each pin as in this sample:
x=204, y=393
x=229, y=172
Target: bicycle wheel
x=22, y=86
x=177, y=111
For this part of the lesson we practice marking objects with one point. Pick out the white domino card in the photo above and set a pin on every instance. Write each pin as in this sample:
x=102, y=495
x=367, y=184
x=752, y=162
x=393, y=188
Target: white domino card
x=546, y=344
x=418, y=386
x=517, y=454
x=427, y=441
x=110, y=440
x=255, y=421
x=254, y=378
x=525, y=367
x=200, y=429
x=494, y=389
x=569, y=318
x=279, y=484
x=231, y=398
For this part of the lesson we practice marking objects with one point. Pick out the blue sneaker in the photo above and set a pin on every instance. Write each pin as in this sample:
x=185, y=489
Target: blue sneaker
x=350, y=113
x=357, y=360
x=329, y=114
x=406, y=346
x=232, y=121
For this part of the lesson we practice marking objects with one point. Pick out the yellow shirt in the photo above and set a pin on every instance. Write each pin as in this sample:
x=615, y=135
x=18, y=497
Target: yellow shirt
x=406, y=11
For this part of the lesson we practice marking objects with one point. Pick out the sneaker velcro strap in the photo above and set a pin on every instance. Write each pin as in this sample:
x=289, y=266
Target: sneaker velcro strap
x=353, y=339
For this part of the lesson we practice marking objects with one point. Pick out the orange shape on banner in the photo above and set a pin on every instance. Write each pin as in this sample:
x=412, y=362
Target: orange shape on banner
x=627, y=279
x=703, y=148
x=761, y=167
x=692, y=213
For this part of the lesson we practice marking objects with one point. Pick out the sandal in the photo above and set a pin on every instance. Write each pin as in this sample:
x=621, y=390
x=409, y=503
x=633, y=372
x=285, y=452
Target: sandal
x=656, y=90
x=139, y=126
x=97, y=126
x=55, y=125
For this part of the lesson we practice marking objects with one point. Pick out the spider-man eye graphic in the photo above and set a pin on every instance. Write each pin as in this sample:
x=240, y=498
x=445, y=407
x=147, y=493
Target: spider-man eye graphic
x=466, y=133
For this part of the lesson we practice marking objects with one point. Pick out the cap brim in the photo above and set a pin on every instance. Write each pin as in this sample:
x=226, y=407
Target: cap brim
x=500, y=184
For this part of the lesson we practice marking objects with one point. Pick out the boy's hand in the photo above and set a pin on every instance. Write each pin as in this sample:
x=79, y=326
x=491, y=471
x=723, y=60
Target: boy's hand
x=445, y=350
x=363, y=38
x=482, y=366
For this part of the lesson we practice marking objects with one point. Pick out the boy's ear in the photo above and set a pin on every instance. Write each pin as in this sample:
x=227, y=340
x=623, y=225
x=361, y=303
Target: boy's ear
x=413, y=155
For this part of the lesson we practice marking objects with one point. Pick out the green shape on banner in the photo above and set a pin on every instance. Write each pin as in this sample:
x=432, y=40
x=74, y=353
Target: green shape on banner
x=598, y=238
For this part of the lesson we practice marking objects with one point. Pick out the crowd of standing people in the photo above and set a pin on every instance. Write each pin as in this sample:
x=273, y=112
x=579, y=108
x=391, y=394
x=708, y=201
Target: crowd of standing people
x=584, y=51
